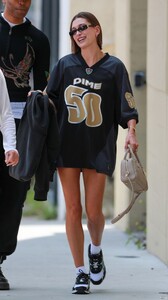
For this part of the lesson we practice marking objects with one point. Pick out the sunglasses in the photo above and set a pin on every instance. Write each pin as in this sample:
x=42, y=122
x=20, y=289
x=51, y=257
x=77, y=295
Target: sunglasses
x=79, y=29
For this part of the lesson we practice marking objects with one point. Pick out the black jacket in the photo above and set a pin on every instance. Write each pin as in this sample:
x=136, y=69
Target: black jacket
x=23, y=48
x=37, y=143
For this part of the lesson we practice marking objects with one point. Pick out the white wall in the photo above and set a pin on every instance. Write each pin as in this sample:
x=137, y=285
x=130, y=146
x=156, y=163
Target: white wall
x=157, y=128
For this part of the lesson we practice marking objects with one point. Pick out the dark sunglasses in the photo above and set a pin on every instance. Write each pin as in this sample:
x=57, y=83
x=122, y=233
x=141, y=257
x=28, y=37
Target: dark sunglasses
x=80, y=29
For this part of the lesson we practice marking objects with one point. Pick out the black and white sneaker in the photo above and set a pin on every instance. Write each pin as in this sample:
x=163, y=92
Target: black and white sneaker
x=97, y=267
x=4, y=284
x=82, y=284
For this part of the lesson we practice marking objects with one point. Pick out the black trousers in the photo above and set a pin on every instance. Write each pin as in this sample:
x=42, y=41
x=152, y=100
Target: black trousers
x=12, y=197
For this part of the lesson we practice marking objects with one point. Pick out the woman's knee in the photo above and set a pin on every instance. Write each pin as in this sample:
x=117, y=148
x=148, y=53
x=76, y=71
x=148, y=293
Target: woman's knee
x=74, y=211
x=95, y=217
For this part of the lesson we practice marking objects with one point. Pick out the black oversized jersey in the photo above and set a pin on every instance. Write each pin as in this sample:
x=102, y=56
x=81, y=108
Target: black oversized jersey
x=91, y=103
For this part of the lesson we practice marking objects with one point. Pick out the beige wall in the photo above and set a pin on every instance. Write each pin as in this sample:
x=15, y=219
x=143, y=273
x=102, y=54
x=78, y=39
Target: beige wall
x=130, y=46
x=157, y=128
x=122, y=50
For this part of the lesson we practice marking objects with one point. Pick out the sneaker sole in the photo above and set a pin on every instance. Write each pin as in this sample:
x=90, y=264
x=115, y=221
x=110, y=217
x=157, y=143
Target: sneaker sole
x=80, y=291
x=4, y=286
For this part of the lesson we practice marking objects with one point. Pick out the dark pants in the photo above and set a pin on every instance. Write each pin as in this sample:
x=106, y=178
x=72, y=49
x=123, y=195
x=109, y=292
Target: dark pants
x=12, y=197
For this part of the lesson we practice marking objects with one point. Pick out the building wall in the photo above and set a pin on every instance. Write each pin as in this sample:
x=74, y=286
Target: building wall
x=130, y=46
x=157, y=128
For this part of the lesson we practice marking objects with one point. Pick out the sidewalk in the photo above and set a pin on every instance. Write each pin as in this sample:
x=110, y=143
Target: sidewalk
x=42, y=267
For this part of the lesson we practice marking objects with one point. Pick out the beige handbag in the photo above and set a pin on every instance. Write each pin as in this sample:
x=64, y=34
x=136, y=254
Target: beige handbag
x=134, y=177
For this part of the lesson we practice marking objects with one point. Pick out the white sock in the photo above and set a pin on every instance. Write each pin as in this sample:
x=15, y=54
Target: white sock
x=81, y=269
x=95, y=249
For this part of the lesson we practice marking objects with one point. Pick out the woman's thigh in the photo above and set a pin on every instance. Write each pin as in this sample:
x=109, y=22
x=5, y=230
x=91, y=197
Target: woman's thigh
x=70, y=180
x=94, y=184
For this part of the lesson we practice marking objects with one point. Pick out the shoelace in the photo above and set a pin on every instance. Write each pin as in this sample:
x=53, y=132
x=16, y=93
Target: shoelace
x=95, y=262
x=82, y=277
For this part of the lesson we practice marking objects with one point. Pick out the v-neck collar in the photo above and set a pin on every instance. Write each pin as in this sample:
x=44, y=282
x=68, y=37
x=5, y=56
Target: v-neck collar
x=88, y=69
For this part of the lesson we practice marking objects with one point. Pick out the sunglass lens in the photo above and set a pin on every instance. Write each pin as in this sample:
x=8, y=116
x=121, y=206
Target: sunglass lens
x=82, y=28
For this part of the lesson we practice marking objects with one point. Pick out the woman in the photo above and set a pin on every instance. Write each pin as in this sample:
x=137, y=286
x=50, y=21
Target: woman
x=7, y=126
x=92, y=94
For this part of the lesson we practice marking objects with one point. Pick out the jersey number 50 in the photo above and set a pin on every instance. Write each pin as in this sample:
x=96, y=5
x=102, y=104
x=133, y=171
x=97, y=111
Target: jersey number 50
x=83, y=105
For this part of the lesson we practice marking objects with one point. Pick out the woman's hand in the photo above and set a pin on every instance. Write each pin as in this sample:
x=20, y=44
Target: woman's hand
x=131, y=140
x=131, y=136
x=11, y=157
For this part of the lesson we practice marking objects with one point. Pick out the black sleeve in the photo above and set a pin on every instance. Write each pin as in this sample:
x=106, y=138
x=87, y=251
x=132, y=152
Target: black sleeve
x=42, y=64
x=54, y=84
x=126, y=109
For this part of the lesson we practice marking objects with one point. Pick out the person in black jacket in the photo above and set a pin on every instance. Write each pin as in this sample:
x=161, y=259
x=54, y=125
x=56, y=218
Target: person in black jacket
x=24, y=52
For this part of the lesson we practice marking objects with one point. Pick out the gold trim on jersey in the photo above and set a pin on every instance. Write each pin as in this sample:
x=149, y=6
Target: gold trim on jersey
x=130, y=99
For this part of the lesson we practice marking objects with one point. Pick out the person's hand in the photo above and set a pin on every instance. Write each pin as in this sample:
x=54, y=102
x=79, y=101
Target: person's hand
x=131, y=140
x=32, y=91
x=11, y=157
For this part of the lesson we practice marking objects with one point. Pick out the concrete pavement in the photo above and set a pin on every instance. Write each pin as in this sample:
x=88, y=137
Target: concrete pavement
x=42, y=266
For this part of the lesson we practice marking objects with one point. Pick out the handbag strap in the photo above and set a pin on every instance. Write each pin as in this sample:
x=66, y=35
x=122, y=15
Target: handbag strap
x=134, y=195
x=133, y=199
x=133, y=154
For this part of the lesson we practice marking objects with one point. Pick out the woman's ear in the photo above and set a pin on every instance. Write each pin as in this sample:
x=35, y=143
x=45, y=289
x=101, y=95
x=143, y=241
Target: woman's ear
x=97, y=30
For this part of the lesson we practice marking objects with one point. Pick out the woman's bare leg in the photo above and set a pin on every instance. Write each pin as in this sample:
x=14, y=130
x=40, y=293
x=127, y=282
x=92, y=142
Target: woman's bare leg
x=94, y=190
x=70, y=179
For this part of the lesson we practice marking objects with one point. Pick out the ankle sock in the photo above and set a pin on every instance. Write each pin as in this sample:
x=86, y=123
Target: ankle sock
x=95, y=249
x=81, y=269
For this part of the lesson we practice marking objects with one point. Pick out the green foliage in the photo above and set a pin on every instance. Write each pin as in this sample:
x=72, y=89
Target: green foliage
x=138, y=237
x=42, y=209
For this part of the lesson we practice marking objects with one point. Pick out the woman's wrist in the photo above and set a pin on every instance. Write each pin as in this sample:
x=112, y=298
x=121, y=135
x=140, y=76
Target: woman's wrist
x=132, y=129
